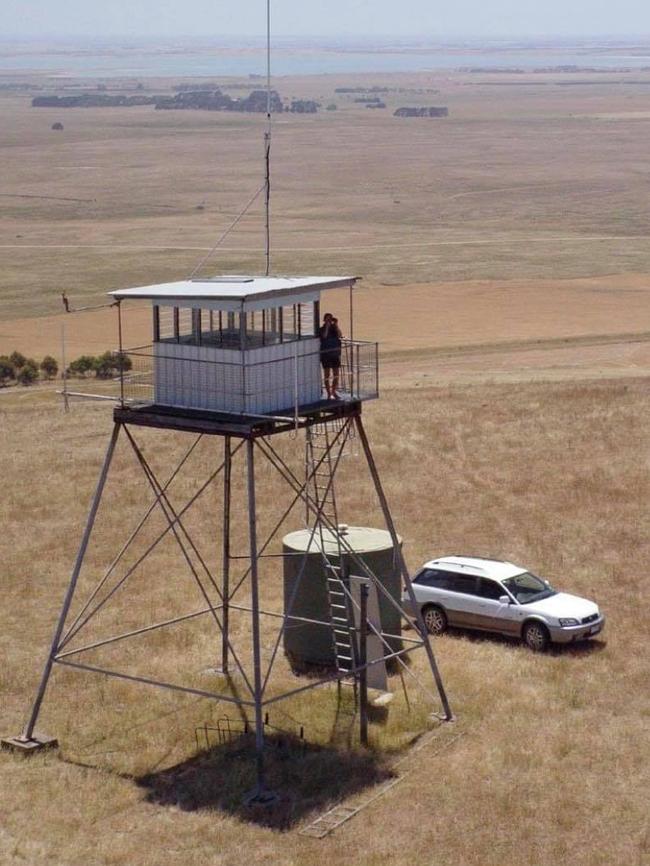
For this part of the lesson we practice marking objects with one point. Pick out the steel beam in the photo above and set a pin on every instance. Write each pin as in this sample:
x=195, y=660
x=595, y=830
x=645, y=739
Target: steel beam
x=255, y=623
x=404, y=570
x=225, y=562
x=135, y=678
x=128, y=542
x=67, y=601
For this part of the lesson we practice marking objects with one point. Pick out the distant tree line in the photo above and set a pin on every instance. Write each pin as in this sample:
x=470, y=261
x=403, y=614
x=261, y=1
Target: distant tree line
x=104, y=366
x=198, y=98
x=26, y=371
x=429, y=111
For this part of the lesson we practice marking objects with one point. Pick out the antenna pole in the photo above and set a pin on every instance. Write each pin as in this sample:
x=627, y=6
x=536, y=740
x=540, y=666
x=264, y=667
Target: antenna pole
x=267, y=142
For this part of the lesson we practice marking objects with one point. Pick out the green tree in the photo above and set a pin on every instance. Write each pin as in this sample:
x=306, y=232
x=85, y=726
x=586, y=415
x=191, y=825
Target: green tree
x=17, y=360
x=81, y=365
x=105, y=366
x=28, y=373
x=7, y=370
x=49, y=367
x=122, y=361
x=110, y=363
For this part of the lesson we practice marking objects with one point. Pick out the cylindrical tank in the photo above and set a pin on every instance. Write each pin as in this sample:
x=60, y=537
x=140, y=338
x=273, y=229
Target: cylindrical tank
x=308, y=645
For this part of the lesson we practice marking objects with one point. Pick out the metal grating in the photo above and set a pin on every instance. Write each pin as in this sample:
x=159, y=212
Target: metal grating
x=328, y=822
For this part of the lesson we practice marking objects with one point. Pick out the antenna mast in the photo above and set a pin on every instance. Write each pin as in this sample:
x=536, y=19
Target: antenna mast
x=267, y=141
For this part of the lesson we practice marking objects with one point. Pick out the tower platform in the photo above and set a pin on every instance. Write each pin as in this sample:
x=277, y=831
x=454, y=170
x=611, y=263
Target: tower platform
x=245, y=426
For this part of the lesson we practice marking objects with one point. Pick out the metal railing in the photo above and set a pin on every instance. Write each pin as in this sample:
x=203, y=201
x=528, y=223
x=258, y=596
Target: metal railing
x=360, y=369
x=251, y=385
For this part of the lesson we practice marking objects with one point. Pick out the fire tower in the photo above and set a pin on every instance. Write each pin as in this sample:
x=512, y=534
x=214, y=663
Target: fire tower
x=239, y=359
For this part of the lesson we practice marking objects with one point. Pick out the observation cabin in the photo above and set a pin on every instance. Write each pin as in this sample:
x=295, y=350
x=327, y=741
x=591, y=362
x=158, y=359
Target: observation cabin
x=244, y=346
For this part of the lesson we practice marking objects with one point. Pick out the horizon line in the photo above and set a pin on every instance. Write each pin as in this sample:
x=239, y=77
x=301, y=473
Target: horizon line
x=391, y=39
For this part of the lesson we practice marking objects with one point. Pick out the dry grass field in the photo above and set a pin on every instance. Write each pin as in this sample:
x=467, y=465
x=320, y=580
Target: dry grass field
x=543, y=181
x=505, y=275
x=553, y=757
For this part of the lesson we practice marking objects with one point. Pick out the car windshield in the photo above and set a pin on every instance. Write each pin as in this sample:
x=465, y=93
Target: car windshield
x=526, y=587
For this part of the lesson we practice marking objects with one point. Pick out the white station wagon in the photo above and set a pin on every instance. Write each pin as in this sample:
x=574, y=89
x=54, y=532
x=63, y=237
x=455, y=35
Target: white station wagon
x=489, y=595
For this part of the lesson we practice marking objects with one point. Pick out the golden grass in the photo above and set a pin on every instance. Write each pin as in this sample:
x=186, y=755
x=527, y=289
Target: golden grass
x=516, y=183
x=553, y=764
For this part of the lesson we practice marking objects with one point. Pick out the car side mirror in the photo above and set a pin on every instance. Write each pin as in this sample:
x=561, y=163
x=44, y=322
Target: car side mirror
x=504, y=599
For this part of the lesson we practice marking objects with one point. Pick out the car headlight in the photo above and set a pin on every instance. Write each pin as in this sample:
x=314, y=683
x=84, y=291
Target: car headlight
x=567, y=622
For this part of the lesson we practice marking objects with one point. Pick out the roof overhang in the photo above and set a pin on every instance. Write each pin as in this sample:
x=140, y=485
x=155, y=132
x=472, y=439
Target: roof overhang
x=235, y=292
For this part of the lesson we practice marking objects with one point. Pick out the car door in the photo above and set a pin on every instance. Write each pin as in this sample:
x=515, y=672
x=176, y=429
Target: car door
x=494, y=615
x=461, y=600
x=428, y=586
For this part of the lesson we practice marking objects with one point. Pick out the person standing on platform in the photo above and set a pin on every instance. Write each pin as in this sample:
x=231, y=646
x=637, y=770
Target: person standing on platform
x=330, y=354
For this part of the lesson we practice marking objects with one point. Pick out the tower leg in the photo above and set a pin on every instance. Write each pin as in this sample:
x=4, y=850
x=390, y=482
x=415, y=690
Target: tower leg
x=225, y=619
x=260, y=794
x=28, y=741
x=404, y=570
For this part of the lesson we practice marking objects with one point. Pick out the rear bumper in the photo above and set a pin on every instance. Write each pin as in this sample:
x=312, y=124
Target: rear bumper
x=576, y=632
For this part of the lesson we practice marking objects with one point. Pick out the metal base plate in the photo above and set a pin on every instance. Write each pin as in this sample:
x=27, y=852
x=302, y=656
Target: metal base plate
x=27, y=746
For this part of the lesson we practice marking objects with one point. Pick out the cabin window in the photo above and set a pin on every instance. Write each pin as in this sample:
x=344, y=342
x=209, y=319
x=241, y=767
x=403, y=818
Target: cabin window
x=185, y=322
x=298, y=322
x=163, y=328
x=290, y=324
x=195, y=326
x=306, y=320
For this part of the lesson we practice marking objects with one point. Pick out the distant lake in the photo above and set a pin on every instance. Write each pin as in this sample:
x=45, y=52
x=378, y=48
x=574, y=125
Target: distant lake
x=187, y=62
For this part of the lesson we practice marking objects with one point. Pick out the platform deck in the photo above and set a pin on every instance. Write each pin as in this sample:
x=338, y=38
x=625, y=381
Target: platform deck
x=229, y=424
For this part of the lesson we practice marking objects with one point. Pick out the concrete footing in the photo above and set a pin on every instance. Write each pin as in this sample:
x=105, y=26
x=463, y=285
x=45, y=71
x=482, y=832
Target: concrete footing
x=29, y=745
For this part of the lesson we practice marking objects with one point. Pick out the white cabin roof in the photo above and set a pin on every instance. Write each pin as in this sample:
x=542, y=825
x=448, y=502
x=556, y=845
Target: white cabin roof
x=239, y=289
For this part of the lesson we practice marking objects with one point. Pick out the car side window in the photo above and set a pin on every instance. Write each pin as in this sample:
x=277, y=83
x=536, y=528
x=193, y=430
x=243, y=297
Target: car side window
x=465, y=583
x=490, y=589
x=433, y=577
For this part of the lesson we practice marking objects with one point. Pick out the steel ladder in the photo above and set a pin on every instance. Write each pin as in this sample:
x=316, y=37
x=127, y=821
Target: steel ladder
x=320, y=465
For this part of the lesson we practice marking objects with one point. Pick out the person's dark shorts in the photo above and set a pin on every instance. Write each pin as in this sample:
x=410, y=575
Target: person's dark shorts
x=331, y=360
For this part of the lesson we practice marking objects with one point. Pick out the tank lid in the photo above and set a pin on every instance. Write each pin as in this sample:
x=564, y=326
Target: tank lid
x=362, y=539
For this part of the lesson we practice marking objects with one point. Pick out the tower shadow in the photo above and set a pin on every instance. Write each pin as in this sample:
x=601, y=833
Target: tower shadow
x=305, y=777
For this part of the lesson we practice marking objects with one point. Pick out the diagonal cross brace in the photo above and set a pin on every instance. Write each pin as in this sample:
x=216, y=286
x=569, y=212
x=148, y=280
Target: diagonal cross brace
x=164, y=505
x=143, y=556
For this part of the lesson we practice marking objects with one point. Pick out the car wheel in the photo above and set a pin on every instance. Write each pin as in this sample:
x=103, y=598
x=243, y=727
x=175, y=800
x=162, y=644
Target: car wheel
x=435, y=619
x=536, y=636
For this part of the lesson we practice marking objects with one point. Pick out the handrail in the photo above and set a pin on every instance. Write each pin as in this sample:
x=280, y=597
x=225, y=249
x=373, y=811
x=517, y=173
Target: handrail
x=155, y=375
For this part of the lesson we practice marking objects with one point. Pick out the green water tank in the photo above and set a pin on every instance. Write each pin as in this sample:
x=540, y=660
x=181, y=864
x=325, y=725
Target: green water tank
x=308, y=645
